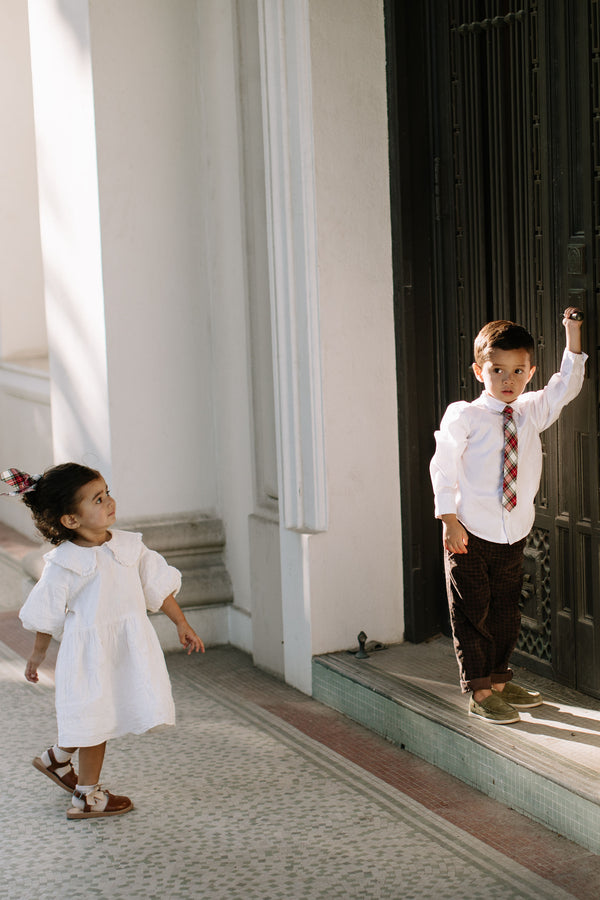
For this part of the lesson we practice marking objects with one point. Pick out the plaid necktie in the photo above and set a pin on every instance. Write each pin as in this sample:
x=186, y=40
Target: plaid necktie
x=509, y=482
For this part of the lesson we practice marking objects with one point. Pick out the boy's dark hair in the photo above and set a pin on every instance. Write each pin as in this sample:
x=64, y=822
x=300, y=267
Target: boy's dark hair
x=502, y=335
x=54, y=496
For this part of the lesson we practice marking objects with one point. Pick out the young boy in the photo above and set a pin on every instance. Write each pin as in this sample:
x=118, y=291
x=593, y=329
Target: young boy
x=485, y=474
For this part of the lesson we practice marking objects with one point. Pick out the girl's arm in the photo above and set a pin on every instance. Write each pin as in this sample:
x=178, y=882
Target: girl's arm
x=42, y=642
x=187, y=636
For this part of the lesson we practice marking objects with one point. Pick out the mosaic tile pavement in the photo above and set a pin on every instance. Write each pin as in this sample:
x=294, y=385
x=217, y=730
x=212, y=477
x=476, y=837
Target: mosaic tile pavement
x=233, y=803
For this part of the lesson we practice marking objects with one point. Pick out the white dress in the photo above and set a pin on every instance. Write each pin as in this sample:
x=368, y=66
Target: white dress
x=111, y=676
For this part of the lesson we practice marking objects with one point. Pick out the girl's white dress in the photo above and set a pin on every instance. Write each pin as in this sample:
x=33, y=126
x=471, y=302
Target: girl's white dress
x=111, y=676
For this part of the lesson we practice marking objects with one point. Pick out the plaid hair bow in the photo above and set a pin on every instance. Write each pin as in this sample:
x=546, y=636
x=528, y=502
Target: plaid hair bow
x=21, y=480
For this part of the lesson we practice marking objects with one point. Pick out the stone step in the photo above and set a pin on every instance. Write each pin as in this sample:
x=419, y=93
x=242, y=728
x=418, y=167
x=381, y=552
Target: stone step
x=547, y=766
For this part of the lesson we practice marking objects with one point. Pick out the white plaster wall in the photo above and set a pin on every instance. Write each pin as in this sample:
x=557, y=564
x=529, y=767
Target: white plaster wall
x=225, y=242
x=267, y=613
x=167, y=140
x=266, y=642
x=26, y=434
x=356, y=567
x=173, y=287
x=146, y=58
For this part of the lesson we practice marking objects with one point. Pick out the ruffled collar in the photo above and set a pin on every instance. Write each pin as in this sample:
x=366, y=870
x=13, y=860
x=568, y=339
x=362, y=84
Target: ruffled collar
x=125, y=546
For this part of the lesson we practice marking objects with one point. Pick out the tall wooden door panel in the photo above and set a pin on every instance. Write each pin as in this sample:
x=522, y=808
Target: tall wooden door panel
x=574, y=39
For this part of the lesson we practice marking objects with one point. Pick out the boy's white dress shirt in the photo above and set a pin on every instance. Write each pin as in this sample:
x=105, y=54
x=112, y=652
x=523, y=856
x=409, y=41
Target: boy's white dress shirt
x=466, y=469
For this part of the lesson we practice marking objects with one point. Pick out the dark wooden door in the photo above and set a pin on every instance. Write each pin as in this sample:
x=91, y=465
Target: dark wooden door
x=510, y=130
x=572, y=32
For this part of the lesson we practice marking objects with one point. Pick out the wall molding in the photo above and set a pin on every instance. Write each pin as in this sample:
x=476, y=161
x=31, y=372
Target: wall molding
x=293, y=270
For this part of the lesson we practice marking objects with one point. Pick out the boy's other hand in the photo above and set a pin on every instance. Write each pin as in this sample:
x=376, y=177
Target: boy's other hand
x=454, y=535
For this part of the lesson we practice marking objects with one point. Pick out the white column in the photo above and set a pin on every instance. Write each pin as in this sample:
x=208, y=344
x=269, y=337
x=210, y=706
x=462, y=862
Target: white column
x=22, y=319
x=26, y=433
x=290, y=178
x=325, y=122
x=291, y=225
x=70, y=230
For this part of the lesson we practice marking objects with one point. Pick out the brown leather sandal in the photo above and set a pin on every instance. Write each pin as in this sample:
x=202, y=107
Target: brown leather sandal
x=103, y=804
x=67, y=781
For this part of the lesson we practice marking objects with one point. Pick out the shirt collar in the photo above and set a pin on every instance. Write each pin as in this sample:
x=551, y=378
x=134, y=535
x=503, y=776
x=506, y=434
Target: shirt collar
x=489, y=402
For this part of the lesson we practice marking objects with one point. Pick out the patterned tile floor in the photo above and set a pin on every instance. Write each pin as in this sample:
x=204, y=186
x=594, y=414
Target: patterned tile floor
x=259, y=792
x=241, y=801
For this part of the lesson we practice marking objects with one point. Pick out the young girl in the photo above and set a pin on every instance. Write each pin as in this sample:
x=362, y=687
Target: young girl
x=93, y=596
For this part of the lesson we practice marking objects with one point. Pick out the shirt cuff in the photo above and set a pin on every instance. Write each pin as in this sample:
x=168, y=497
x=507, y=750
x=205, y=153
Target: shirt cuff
x=445, y=505
x=575, y=357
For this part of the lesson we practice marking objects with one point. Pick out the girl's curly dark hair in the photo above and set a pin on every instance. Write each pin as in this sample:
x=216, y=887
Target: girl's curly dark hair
x=54, y=496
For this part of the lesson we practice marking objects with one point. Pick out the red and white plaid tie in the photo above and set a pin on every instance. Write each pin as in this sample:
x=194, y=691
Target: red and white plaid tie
x=509, y=482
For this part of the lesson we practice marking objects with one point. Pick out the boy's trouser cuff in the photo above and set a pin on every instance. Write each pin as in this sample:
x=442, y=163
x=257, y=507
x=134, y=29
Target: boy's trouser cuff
x=485, y=684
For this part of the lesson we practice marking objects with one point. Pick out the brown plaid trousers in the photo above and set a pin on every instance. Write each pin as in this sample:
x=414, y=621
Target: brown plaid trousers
x=484, y=587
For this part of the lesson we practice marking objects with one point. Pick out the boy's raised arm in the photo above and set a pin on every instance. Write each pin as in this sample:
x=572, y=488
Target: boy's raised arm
x=572, y=330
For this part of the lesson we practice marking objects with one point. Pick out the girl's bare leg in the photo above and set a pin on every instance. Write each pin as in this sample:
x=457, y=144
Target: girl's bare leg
x=90, y=763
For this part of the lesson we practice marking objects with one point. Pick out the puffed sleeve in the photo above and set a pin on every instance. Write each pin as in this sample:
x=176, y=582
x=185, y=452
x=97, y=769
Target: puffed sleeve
x=46, y=607
x=159, y=579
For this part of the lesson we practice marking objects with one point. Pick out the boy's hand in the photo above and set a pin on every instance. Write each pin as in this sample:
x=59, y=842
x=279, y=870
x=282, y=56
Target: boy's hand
x=454, y=535
x=572, y=329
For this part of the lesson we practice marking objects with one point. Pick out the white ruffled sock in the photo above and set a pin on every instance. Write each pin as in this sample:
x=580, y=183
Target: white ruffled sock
x=87, y=790
x=61, y=756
